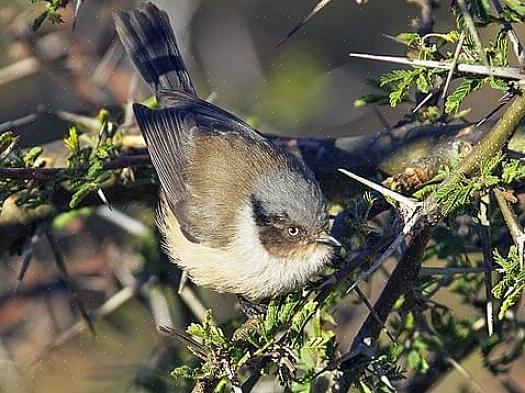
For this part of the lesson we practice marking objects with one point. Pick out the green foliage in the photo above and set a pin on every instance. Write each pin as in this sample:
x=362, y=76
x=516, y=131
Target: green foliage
x=513, y=171
x=457, y=194
x=455, y=99
x=52, y=12
x=91, y=157
x=397, y=84
x=294, y=331
x=85, y=172
x=512, y=282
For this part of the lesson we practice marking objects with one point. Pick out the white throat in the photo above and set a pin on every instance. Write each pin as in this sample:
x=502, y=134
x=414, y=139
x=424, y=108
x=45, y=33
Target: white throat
x=264, y=274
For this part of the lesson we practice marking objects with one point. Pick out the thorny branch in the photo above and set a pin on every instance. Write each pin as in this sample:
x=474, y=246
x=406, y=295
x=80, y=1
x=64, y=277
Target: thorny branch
x=403, y=277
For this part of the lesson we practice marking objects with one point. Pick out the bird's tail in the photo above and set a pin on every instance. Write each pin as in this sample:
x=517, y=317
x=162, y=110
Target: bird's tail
x=150, y=43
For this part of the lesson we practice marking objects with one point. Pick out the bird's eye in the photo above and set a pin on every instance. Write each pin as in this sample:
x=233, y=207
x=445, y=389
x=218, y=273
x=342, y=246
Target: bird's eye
x=293, y=231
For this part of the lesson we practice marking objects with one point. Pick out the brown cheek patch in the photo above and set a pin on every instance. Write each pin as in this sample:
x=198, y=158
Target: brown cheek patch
x=283, y=246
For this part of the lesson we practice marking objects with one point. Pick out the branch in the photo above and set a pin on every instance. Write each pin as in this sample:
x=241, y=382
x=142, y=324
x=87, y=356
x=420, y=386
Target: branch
x=45, y=173
x=405, y=274
x=501, y=72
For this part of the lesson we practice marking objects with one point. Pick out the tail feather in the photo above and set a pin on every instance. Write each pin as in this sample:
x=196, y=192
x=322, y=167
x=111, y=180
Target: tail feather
x=150, y=43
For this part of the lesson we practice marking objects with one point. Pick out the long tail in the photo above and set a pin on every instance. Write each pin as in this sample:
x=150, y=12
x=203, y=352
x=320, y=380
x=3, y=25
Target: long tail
x=150, y=43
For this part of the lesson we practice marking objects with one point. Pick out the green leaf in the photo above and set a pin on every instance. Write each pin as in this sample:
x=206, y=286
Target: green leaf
x=31, y=155
x=287, y=309
x=37, y=22
x=422, y=83
x=196, y=330
x=379, y=99
x=409, y=39
x=414, y=360
x=394, y=77
x=461, y=92
x=83, y=191
x=71, y=141
x=270, y=320
x=303, y=315
x=517, y=6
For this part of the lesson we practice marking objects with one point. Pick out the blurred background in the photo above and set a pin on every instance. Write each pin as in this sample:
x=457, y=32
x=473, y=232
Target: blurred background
x=305, y=87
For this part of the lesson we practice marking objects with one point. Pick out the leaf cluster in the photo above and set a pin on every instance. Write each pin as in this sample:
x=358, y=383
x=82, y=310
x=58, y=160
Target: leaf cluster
x=292, y=340
x=510, y=287
x=396, y=85
x=87, y=154
x=51, y=13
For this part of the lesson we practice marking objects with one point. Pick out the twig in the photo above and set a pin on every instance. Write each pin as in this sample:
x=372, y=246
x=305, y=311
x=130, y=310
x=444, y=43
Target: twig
x=513, y=224
x=158, y=305
x=190, y=299
x=448, y=271
x=401, y=281
x=27, y=254
x=11, y=124
x=9, y=149
x=403, y=200
x=317, y=8
x=504, y=100
x=49, y=173
x=511, y=33
x=474, y=33
x=423, y=102
x=186, y=339
x=110, y=305
x=453, y=65
x=440, y=366
x=449, y=358
x=486, y=244
x=86, y=121
x=78, y=5
x=501, y=72
x=373, y=312
x=108, y=62
x=19, y=70
x=71, y=287
x=465, y=373
x=122, y=220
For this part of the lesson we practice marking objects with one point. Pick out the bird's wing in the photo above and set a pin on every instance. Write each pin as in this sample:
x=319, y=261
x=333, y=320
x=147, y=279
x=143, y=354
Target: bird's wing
x=167, y=134
x=207, y=163
x=207, y=115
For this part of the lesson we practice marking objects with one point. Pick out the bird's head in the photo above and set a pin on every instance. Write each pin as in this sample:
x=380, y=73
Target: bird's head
x=290, y=214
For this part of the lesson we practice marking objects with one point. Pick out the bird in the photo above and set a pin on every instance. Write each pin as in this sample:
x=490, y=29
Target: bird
x=238, y=213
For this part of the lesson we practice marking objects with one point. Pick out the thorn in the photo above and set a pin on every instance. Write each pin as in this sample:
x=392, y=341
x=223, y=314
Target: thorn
x=423, y=102
x=182, y=282
x=373, y=312
x=318, y=7
x=403, y=200
x=197, y=348
x=77, y=9
x=453, y=66
x=103, y=198
x=27, y=256
x=502, y=72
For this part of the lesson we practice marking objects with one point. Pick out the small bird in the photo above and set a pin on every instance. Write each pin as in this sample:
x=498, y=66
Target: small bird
x=238, y=213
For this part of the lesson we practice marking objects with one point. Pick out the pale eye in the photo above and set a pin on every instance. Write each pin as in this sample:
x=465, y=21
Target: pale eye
x=293, y=231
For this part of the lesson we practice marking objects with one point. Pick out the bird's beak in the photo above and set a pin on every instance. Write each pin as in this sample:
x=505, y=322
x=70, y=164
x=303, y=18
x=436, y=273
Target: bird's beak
x=325, y=238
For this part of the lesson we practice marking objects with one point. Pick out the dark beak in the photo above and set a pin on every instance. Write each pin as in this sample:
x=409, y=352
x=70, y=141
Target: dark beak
x=325, y=238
